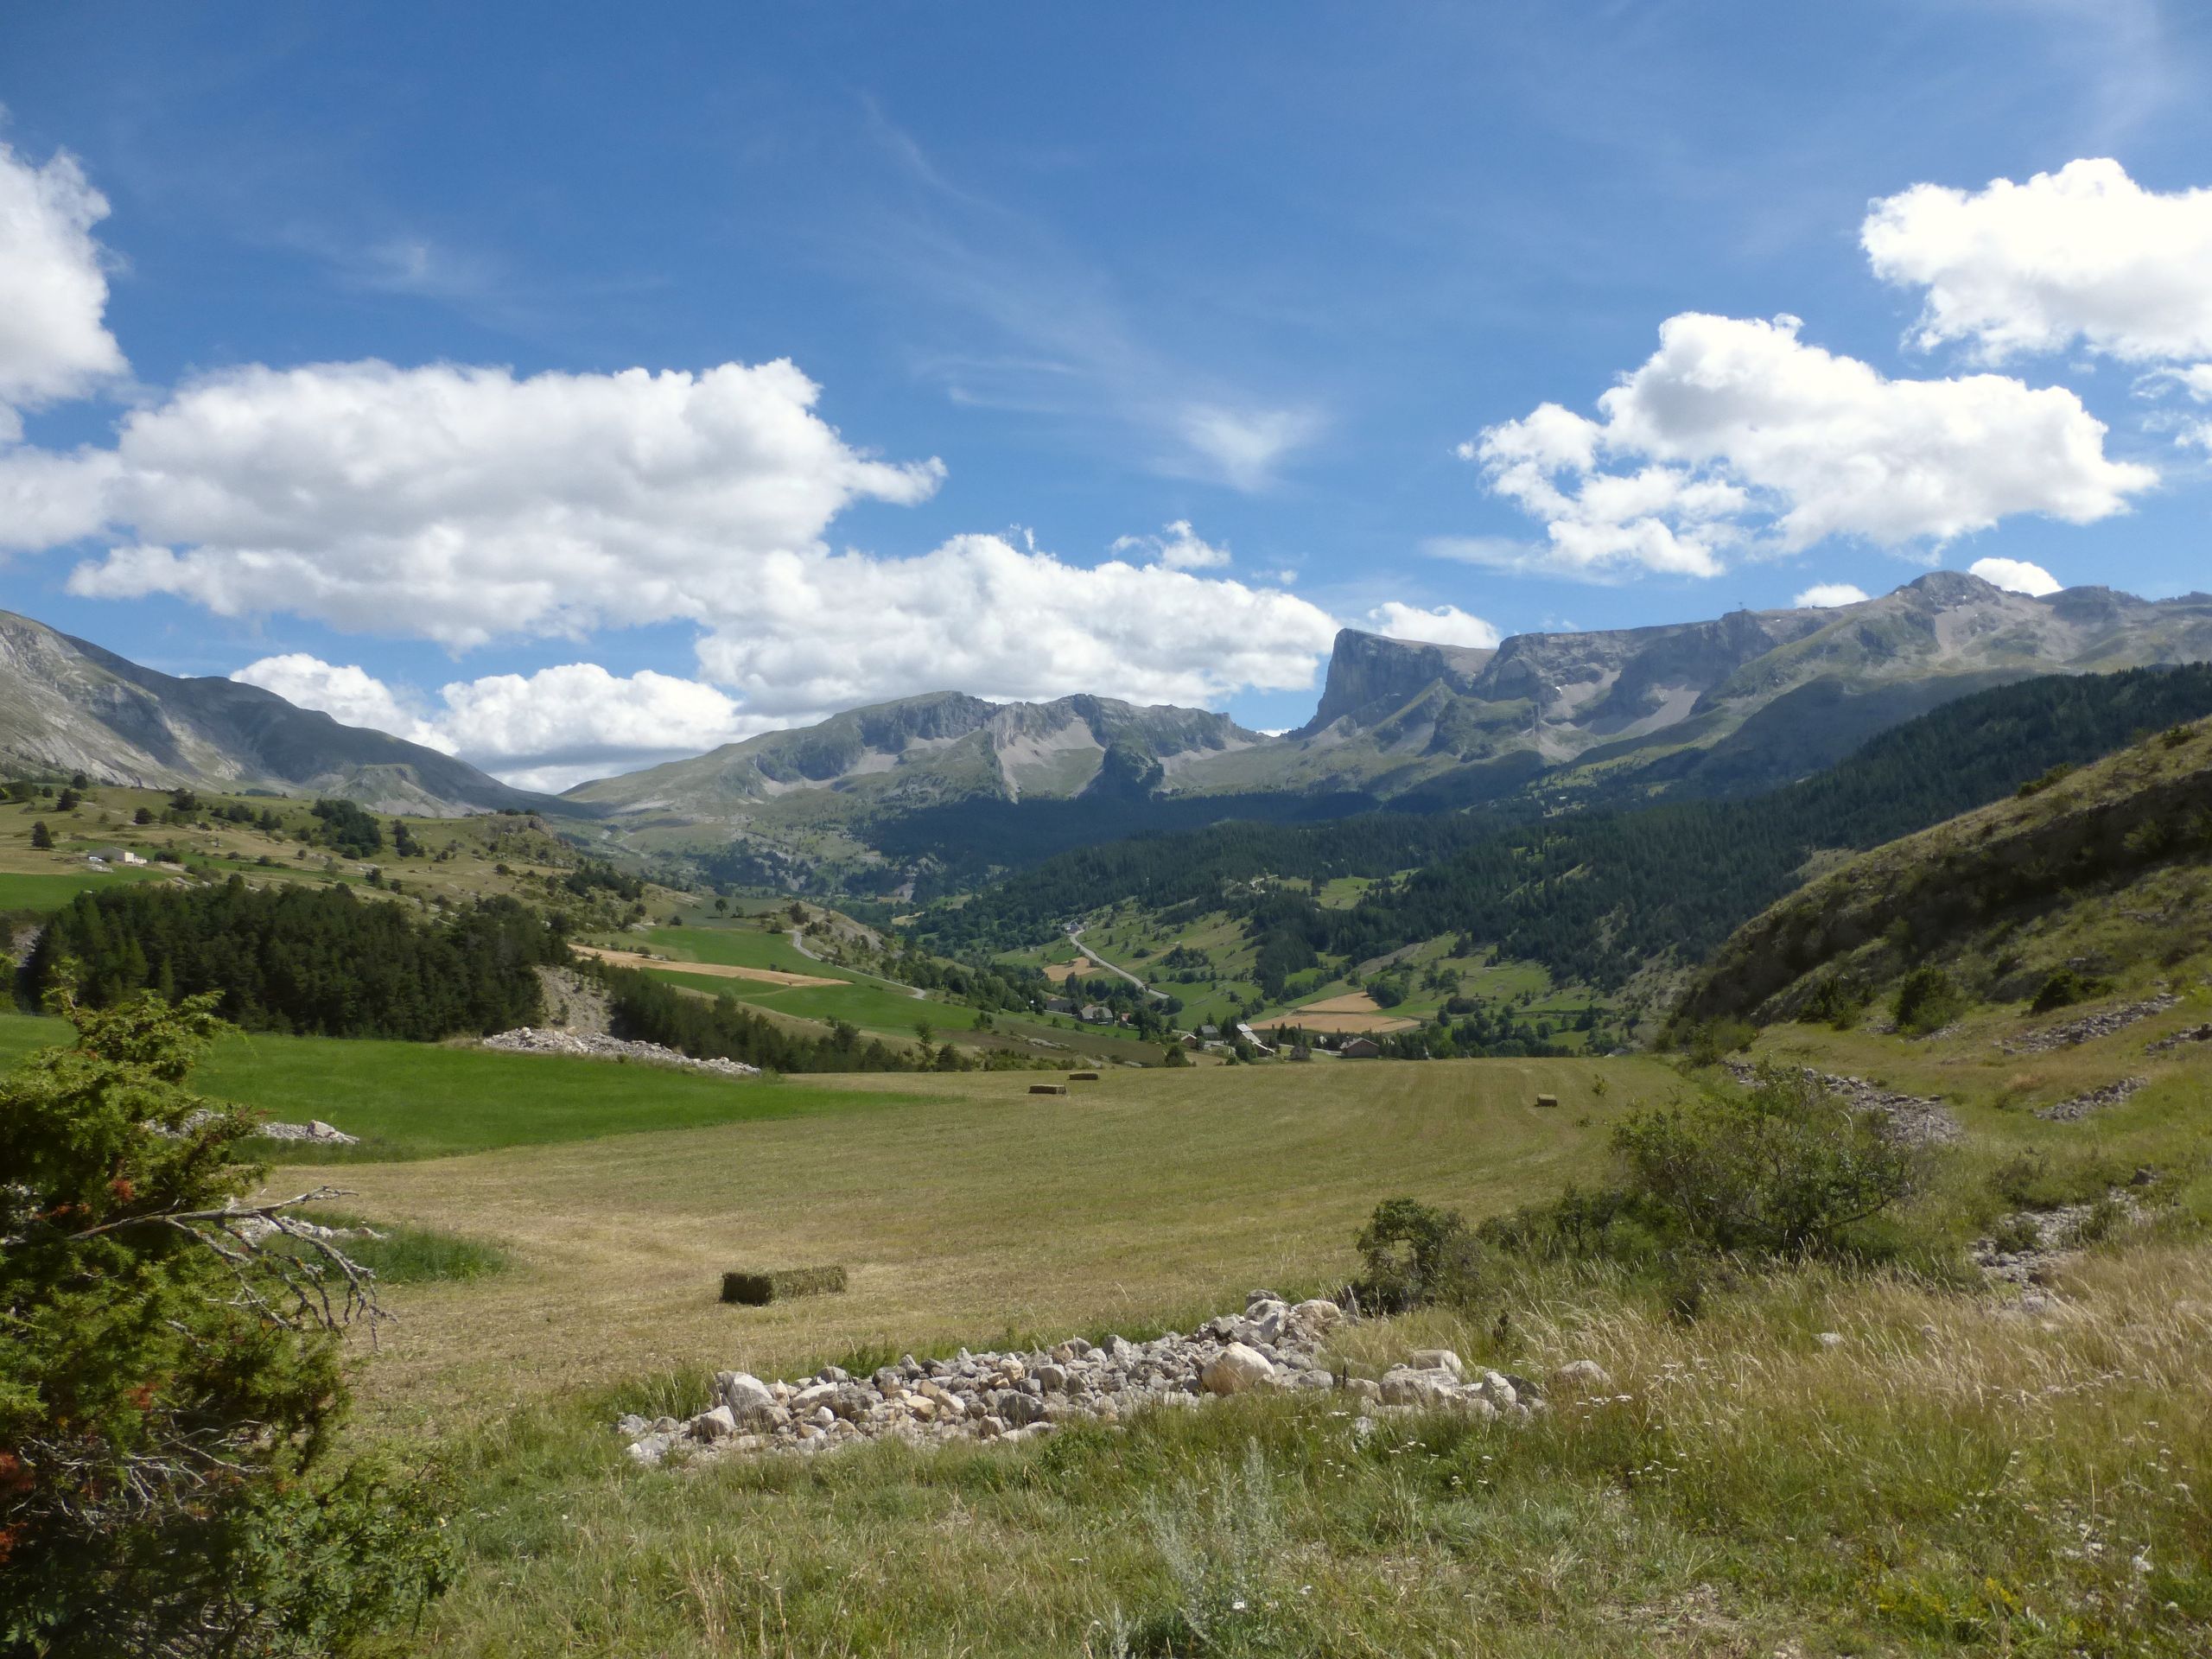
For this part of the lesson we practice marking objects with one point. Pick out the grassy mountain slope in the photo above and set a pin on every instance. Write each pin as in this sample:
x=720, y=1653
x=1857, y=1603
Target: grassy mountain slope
x=2085, y=870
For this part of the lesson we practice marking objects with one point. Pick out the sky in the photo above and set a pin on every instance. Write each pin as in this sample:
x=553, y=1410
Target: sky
x=570, y=390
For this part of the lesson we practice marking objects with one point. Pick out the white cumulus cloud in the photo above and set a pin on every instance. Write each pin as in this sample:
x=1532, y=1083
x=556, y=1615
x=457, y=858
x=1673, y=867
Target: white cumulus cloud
x=980, y=615
x=462, y=502
x=1446, y=625
x=1827, y=595
x=349, y=694
x=53, y=339
x=1736, y=435
x=547, y=730
x=2015, y=576
x=1179, y=547
x=2082, y=254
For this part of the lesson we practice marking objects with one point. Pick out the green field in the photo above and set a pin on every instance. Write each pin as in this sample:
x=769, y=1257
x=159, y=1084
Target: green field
x=40, y=891
x=428, y=1099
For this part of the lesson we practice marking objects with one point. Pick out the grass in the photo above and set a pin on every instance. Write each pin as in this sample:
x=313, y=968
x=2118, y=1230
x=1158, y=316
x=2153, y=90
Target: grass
x=426, y=1100
x=23, y=890
x=399, y=1255
x=971, y=1209
x=1943, y=1479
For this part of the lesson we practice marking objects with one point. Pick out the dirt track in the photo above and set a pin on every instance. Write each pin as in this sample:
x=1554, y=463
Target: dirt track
x=711, y=970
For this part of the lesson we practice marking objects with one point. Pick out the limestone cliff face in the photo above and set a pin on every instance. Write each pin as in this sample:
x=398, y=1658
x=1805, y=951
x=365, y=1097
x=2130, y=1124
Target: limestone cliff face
x=68, y=706
x=1371, y=677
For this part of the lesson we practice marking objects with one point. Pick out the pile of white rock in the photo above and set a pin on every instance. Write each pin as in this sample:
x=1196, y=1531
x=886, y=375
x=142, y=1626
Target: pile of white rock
x=317, y=1130
x=1021, y=1396
x=537, y=1040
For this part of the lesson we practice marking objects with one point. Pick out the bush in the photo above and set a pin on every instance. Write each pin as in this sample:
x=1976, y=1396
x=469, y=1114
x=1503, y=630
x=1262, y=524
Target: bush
x=2065, y=988
x=1781, y=1170
x=1927, y=1000
x=1837, y=1001
x=169, y=1390
x=1710, y=1041
x=1412, y=1253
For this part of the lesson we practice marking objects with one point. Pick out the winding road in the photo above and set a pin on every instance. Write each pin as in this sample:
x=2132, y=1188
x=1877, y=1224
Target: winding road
x=1075, y=939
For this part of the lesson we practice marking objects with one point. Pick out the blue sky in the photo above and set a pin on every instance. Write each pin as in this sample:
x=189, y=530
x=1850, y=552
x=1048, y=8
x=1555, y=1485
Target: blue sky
x=1299, y=279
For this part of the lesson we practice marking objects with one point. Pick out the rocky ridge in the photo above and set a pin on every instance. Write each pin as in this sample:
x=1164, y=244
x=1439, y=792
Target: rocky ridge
x=2080, y=1105
x=1016, y=1396
x=597, y=1045
x=2089, y=1028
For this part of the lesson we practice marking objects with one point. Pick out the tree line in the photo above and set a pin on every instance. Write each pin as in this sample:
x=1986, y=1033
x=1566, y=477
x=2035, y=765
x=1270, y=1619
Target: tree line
x=311, y=961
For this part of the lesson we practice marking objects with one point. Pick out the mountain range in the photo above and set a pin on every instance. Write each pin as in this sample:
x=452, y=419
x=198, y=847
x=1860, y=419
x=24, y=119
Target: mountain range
x=68, y=706
x=1743, y=701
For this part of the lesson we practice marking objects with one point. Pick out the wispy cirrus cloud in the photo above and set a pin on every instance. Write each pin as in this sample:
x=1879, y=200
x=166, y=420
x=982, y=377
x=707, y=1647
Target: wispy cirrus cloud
x=1031, y=326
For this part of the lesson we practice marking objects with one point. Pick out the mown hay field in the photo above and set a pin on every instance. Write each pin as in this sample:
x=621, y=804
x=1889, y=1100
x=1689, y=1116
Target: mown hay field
x=960, y=1207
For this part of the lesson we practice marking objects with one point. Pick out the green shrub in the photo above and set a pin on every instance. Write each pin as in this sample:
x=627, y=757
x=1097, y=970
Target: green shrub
x=1782, y=1169
x=2065, y=988
x=1412, y=1253
x=2015, y=1233
x=169, y=1391
x=1926, y=1002
x=1838, y=1000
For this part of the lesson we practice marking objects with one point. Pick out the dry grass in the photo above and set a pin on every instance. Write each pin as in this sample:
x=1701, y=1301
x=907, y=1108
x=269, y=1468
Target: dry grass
x=1149, y=1196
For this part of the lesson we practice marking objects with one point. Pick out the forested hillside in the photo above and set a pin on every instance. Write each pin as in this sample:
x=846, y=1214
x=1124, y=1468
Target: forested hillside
x=1596, y=896
x=316, y=961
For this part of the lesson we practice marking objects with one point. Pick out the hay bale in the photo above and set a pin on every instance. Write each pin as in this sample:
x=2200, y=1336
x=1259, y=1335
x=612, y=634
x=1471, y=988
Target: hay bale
x=1547, y=1100
x=1048, y=1087
x=1083, y=1076
x=780, y=1284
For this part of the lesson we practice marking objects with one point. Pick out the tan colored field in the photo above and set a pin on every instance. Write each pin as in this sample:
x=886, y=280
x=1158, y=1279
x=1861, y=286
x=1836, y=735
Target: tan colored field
x=1060, y=972
x=1354, y=1012
x=705, y=969
x=977, y=1209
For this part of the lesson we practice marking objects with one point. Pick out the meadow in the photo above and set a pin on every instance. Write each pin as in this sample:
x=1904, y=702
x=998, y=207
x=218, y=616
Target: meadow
x=1824, y=1461
x=410, y=1100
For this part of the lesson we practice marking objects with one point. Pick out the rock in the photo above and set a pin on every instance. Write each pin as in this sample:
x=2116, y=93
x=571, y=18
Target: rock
x=815, y=1396
x=1403, y=1385
x=717, y=1423
x=750, y=1400
x=1235, y=1370
x=1254, y=1298
x=649, y=1449
x=1580, y=1379
x=1497, y=1388
x=1053, y=1379
x=1437, y=1359
x=1316, y=1318
x=1830, y=1338
x=1265, y=1318
x=529, y=1039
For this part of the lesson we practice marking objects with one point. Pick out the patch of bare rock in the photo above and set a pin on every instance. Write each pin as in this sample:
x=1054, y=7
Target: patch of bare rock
x=2089, y=1028
x=2195, y=1034
x=1011, y=1397
x=1914, y=1120
x=587, y=1046
x=2091, y=1099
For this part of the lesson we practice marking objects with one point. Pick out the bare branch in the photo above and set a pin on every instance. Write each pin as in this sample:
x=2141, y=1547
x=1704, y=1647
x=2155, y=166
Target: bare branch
x=239, y=1235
